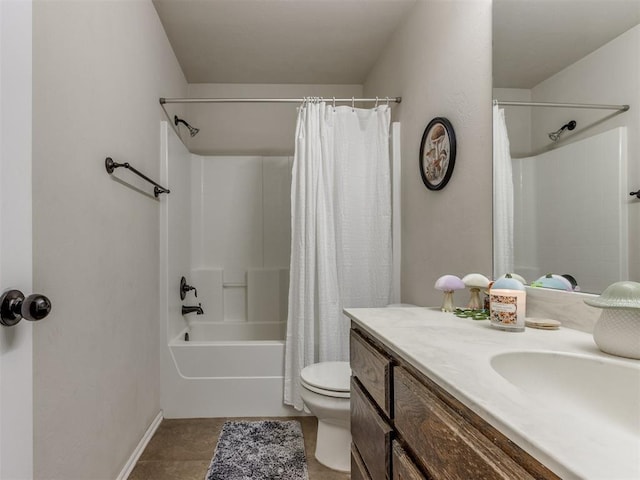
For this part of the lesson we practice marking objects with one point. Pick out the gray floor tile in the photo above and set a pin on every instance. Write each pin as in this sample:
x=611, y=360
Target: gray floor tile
x=181, y=449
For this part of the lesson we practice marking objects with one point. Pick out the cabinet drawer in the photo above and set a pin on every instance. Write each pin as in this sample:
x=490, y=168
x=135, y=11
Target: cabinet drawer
x=446, y=445
x=373, y=370
x=403, y=467
x=358, y=470
x=370, y=433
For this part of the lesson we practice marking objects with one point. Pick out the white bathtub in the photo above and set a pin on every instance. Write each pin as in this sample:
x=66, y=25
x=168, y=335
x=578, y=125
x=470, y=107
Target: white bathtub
x=226, y=369
x=235, y=331
x=230, y=350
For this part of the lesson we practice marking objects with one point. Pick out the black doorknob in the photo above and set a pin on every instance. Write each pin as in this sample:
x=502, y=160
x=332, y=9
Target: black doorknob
x=14, y=307
x=35, y=307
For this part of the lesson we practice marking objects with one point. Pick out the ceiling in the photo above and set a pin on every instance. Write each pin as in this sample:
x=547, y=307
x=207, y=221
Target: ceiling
x=339, y=41
x=534, y=39
x=279, y=41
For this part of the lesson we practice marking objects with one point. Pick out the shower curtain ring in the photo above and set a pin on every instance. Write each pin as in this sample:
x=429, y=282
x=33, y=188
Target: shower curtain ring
x=334, y=104
x=376, y=106
x=387, y=101
x=353, y=104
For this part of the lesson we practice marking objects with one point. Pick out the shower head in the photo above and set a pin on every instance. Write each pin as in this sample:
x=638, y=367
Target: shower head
x=192, y=130
x=555, y=136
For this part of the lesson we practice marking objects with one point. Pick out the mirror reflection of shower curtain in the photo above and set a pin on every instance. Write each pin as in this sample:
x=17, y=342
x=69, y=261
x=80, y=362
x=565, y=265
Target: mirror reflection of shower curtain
x=502, y=197
x=340, y=231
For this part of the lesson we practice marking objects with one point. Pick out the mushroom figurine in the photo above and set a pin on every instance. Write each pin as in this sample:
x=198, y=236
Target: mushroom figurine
x=475, y=282
x=448, y=284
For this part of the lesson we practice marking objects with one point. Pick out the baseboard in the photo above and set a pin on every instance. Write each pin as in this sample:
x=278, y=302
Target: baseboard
x=131, y=463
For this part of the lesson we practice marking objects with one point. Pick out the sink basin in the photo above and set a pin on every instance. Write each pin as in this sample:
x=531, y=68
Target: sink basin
x=605, y=389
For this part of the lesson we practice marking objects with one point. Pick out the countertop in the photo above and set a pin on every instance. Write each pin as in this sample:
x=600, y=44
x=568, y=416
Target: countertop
x=456, y=353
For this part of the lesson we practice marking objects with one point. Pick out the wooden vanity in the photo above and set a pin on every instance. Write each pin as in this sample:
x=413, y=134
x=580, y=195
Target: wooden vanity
x=405, y=427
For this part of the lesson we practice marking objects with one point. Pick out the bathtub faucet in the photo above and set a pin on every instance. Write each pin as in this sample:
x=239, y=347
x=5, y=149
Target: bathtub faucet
x=198, y=309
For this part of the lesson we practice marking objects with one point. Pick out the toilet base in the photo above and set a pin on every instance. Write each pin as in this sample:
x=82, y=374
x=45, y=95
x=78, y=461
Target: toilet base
x=333, y=446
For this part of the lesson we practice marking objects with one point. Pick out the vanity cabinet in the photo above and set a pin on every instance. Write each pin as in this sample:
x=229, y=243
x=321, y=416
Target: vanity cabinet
x=403, y=466
x=405, y=427
x=370, y=408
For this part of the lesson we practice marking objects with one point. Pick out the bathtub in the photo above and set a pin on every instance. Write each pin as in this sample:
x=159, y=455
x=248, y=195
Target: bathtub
x=230, y=350
x=226, y=369
x=235, y=331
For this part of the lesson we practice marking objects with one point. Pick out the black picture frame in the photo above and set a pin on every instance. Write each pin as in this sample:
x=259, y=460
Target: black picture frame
x=437, y=153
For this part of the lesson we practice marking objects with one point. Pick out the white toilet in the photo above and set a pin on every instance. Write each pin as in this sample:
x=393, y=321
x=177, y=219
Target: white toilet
x=326, y=393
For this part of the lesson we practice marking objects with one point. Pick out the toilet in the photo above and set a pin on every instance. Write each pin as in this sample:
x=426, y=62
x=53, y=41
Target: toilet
x=326, y=393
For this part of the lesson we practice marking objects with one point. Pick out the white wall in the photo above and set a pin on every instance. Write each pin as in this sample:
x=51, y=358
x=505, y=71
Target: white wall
x=609, y=75
x=439, y=61
x=99, y=69
x=251, y=128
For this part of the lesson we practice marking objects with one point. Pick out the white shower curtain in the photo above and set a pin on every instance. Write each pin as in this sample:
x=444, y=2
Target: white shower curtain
x=340, y=231
x=502, y=196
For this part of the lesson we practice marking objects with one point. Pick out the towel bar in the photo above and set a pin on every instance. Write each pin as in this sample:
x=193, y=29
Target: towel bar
x=110, y=166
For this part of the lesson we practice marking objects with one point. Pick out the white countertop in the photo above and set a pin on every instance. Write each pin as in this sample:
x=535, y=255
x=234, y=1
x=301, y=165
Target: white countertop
x=455, y=353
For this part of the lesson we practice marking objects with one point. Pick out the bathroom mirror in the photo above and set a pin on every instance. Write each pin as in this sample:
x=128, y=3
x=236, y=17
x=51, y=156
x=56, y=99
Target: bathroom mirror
x=569, y=217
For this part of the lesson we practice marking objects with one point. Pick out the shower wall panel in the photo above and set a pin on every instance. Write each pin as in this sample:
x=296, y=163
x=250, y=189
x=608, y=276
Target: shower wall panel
x=578, y=201
x=240, y=236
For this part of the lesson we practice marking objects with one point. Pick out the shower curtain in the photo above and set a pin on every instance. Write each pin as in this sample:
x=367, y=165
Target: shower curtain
x=340, y=231
x=502, y=196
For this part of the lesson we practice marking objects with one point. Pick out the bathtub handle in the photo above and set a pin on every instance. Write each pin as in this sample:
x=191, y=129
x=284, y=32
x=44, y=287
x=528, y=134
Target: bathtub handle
x=184, y=288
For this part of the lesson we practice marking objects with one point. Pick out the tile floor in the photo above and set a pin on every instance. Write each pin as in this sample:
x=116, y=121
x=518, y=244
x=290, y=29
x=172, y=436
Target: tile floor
x=182, y=450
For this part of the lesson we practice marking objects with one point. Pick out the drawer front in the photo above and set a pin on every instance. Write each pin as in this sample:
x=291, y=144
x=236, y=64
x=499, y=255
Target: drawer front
x=403, y=467
x=358, y=470
x=446, y=445
x=372, y=369
x=370, y=433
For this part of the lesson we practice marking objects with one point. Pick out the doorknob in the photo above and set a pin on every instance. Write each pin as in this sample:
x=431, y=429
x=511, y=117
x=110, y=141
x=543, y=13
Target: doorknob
x=14, y=307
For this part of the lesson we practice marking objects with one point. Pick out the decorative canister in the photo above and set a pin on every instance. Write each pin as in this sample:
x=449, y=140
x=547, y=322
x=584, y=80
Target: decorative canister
x=617, y=331
x=507, y=304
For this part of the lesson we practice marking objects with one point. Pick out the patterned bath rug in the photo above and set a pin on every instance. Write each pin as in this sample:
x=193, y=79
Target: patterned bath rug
x=264, y=450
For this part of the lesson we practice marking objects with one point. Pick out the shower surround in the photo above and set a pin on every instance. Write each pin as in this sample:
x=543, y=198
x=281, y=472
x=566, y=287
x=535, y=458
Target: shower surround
x=226, y=227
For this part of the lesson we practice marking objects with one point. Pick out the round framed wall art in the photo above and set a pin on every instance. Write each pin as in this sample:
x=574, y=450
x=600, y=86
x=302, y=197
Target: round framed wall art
x=437, y=153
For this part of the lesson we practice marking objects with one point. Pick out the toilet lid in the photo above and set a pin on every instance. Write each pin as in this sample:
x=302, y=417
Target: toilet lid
x=330, y=376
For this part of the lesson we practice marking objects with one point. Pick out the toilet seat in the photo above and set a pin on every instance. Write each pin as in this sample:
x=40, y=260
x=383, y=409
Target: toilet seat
x=327, y=378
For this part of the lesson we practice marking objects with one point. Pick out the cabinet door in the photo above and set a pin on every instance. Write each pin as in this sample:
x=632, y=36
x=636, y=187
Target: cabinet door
x=402, y=466
x=358, y=470
x=446, y=445
x=370, y=433
x=373, y=369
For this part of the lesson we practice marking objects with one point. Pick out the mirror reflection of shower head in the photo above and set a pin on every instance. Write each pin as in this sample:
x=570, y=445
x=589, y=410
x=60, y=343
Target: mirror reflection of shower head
x=555, y=136
x=192, y=130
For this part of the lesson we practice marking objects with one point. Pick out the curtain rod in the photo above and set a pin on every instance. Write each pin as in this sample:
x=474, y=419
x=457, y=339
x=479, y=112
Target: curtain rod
x=275, y=100
x=622, y=108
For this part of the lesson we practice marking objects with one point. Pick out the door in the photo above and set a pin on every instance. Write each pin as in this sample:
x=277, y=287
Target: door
x=16, y=370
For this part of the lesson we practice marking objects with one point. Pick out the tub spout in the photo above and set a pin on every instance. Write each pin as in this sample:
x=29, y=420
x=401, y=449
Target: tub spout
x=191, y=309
